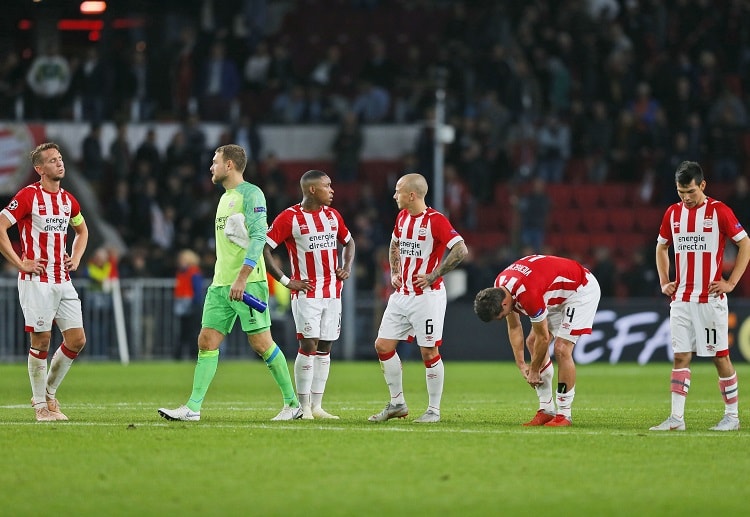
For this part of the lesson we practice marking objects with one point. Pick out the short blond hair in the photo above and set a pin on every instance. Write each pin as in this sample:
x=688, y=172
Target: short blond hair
x=36, y=154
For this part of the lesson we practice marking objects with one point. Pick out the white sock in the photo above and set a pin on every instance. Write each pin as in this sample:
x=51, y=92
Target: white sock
x=58, y=368
x=321, y=369
x=393, y=378
x=435, y=374
x=564, y=402
x=303, y=376
x=680, y=385
x=38, y=376
x=544, y=392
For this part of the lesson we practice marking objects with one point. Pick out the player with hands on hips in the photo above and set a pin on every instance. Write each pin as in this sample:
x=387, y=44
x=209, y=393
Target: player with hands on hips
x=697, y=228
x=416, y=309
x=312, y=231
x=43, y=212
x=561, y=298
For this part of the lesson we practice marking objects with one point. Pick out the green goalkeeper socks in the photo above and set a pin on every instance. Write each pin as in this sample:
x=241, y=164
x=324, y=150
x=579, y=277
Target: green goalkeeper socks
x=276, y=363
x=205, y=369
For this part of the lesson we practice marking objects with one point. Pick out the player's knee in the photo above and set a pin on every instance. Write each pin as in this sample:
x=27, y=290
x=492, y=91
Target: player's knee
x=563, y=349
x=383, y=346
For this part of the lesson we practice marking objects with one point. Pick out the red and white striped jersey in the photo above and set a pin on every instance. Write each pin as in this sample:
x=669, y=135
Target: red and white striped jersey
x=538, y=282
x=311, y=239
x=698, y=235
x=422, y=241
x=43, y=219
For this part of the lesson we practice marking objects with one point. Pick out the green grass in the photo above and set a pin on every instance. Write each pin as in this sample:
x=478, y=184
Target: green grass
x=117, y=457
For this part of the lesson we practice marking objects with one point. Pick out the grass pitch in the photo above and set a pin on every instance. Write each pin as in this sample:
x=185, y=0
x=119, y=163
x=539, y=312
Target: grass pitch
x=117, y=457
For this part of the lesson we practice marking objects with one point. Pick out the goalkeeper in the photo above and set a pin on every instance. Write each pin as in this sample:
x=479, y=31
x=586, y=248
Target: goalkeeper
x=240, y=237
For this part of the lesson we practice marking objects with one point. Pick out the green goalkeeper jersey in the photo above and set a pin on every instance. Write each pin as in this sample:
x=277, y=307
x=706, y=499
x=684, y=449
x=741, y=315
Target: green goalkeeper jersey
x=249, y=200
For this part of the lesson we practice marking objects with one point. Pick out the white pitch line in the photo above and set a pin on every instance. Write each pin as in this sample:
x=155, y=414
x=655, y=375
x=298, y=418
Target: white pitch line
x=301, y=426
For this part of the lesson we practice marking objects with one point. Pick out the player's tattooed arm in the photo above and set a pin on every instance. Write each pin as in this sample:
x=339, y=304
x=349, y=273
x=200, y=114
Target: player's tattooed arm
x=394, y=258
x=454, y=257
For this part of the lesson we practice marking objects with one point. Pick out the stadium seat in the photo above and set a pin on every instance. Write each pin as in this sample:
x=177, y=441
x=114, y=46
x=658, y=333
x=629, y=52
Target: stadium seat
x=605, y=239
x=613, y=195
x=565, y=220
x=621, y=220
x=562, y=196
x=577, y=244
x=587, y=196
x=648, y=220
x=596, y=220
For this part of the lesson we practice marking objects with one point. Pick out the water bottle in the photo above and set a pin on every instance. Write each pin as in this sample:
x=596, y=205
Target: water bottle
x=254, y=303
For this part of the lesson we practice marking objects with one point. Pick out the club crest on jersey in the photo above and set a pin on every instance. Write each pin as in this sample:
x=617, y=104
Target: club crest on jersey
x=231, y=204
x=66, y=209
x=676, y=226
x=422, y=231
x=708, y=223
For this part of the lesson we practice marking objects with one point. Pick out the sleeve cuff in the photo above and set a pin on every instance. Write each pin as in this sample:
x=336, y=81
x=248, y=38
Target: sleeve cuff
x=251, y=263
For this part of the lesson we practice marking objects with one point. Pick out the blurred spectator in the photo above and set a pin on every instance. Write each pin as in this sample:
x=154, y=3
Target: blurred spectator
x=11, y=84
x=640, y=277
x=247, y=135
x=184, y=71
x=378, y=68
x=147, y=151
x=49, y=78
x=328, y=72
x=533, y=211
x=220, y=86
x=120, y=156
x=92, y=157
x=281, y=74
x=119, y=212
x=99, y=270
x=605, y=271
x=553, y=149
x=739, y=201
x=459, y=204
x=681, y=103
x=372, y=103
x=523, y=95
x=644, y=107
x=319, y=109
x=188, y=302
x=599, y=134
x=257, y=65
x=195, y=142
x=347, y=148
x=139, y=88
x=92, y=86
x=290, y=105
x=724, y=144
x=625, y=148
x=177, y=151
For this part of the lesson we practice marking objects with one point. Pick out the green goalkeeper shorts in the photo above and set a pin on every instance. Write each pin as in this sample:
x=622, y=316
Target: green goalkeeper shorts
x=220, y=313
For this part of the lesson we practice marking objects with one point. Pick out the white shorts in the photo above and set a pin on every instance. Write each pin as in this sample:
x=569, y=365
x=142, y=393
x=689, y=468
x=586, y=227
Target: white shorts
x=422, y=316
x=317, y=318
x=702, y=328
x=42, y=303
x=575, y=317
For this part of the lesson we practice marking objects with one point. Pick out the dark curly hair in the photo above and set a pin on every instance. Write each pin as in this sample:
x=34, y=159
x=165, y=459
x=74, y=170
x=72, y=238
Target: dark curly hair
x=489, y=303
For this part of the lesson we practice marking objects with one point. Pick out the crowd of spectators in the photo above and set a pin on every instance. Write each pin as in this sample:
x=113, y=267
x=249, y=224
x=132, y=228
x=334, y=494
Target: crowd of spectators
x=550, y=90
